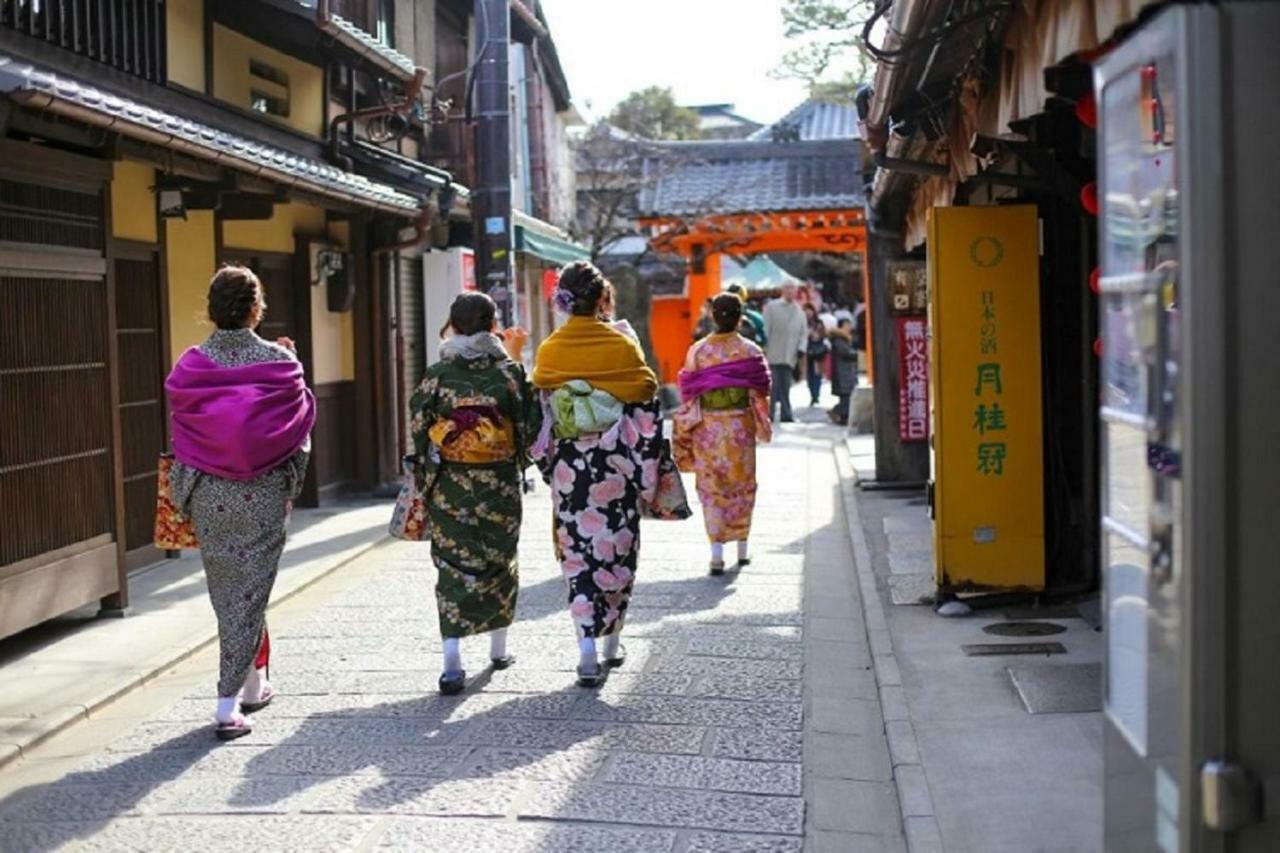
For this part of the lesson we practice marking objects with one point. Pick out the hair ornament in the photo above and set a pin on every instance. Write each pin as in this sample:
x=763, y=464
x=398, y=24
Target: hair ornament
x=564, y=300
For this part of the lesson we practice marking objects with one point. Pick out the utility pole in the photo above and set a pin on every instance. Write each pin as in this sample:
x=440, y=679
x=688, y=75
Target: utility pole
x=491, y=198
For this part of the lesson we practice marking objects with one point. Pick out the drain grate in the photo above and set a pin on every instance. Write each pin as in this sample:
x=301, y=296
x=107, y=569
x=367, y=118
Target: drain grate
x=1057, y=611
x=1023, y=629
x=980, y=650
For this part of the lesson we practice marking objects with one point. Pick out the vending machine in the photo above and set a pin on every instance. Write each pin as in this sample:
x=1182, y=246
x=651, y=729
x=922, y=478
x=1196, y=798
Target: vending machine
x=1189, y=317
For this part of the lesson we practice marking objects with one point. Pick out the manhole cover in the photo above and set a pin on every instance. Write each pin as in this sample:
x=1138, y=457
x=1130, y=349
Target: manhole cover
x=1023, y=629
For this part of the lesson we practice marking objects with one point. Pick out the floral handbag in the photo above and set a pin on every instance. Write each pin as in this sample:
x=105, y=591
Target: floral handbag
x=173, y=530
x=409, y=518
x=670, y=501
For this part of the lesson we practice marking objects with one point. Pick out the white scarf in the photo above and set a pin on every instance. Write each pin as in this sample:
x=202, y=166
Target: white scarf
x=472, y=347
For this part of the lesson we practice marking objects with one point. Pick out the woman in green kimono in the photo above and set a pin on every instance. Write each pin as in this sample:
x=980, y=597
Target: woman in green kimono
x=474, y=419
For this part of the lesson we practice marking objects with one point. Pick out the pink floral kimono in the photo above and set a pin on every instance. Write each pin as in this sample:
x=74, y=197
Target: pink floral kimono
x=725, y=387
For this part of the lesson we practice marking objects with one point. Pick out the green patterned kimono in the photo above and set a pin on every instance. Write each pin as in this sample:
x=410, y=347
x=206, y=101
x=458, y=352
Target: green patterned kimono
x=474, y=419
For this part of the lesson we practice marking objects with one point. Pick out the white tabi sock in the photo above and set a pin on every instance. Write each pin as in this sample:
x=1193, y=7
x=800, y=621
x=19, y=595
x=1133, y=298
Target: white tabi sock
x=254, y=683
x=717, y=552
x=611, y=643
x=742, y=549
x=452, y=654
x=589, y=660
x=498, y=644
x=226, y=708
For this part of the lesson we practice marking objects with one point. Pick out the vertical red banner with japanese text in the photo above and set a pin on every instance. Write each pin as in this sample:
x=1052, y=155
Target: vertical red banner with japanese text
x=913, y=373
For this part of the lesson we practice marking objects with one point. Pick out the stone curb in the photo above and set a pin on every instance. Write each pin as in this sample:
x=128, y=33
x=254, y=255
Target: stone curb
x=62, y=718
x=920, y=824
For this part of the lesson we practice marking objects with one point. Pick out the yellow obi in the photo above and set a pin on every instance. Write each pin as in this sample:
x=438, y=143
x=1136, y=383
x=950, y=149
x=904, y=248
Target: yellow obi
x=480, y=441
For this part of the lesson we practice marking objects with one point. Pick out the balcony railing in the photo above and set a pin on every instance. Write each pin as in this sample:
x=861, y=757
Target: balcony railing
x=128, y=35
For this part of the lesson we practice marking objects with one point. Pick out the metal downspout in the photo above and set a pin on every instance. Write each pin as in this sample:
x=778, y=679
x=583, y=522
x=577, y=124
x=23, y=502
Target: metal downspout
x=905, y=19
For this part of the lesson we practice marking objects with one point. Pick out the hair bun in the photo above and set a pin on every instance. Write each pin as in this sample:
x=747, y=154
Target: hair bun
x=585, y=283
x=726, y=312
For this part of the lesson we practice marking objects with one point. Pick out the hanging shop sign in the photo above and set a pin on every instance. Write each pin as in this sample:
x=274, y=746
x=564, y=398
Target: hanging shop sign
x=908, y=287
x=913, y=370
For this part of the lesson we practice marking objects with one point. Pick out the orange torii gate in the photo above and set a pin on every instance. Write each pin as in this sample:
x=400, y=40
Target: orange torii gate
x=701, y=243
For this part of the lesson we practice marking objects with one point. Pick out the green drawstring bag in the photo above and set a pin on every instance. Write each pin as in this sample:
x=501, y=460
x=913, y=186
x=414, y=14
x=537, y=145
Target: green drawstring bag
x=580, y=409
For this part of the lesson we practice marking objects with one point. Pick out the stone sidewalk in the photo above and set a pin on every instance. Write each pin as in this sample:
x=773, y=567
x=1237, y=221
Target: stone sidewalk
x=746, y=717
x=977, y=770
x=59, y=673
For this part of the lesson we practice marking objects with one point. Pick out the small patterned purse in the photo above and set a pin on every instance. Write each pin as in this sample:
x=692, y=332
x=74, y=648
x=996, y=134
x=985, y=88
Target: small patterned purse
x=670, y=501
x=173, y=530
x=409, y=518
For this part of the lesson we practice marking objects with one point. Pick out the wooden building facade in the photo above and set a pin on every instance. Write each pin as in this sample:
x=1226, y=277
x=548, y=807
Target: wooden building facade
x=142, y=144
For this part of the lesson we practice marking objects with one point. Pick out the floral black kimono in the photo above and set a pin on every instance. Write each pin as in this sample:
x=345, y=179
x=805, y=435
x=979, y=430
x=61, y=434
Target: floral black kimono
x=474, y=418
x=602, y=486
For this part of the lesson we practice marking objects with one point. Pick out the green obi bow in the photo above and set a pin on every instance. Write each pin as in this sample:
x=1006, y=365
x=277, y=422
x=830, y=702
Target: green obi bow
x=580, y=409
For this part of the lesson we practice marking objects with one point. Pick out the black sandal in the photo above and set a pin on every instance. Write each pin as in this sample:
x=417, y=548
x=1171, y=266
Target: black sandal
x=237, y=727
x=455, y=685
x=590, y=679
x=618, y=659
x=503, y=662
x=717, y=568
x=263, y=701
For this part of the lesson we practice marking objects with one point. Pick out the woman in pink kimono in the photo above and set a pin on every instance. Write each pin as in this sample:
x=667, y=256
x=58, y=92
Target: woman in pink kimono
x=725, y=413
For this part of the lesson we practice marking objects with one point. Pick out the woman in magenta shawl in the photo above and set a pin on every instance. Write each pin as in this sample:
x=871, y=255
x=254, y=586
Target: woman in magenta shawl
x=241, y=418
x=725, y=412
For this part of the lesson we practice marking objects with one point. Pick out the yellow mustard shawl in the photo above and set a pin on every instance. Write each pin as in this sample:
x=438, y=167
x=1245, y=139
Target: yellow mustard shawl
x=588, y=349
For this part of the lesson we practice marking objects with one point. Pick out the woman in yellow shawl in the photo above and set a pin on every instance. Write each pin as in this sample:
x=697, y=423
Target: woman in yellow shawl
x=604, y=455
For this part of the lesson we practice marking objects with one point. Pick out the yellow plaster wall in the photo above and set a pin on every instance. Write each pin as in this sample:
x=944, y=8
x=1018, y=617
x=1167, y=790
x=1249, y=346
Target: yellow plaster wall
x=232, y=53
x=190, y=265
x=133, y=201
x=277, y=233
x=332, y=341
x=332, y=335
x=185, y=42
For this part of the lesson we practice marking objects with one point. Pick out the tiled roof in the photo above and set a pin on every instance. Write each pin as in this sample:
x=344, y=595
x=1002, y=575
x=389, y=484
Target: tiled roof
x=43, y=89
x=370, y=48
x=815, y=119
x=697, y=178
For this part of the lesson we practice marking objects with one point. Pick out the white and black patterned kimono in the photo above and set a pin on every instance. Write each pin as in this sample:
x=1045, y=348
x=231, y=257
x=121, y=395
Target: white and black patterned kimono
x=240, y=525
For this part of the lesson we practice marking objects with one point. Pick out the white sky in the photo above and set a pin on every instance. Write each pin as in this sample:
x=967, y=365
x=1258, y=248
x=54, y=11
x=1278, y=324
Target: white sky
x=708, y=51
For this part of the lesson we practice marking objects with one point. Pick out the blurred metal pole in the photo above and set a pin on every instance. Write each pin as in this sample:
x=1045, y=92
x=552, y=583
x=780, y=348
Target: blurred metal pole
x=491, y=197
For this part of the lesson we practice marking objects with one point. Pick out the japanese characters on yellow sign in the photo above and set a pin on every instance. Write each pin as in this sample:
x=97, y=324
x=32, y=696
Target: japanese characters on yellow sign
x=989, y=416
x=985, y=371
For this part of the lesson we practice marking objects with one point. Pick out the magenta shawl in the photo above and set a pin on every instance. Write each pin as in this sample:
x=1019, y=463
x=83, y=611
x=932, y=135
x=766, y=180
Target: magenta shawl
x=238, y=422
x=751, y=373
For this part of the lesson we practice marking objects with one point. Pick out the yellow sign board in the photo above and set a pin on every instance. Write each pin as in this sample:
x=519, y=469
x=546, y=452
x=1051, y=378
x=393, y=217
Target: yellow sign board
x=988, y=459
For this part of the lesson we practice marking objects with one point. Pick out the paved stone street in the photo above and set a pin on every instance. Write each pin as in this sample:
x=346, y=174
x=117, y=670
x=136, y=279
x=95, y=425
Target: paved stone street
x=745, y=717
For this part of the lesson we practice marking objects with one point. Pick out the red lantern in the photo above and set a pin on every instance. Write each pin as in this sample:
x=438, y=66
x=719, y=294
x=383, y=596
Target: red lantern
x=1089, y=198
x=1097, y=347
x=1094, y=280
x=550, y=278
x=1087, y=110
